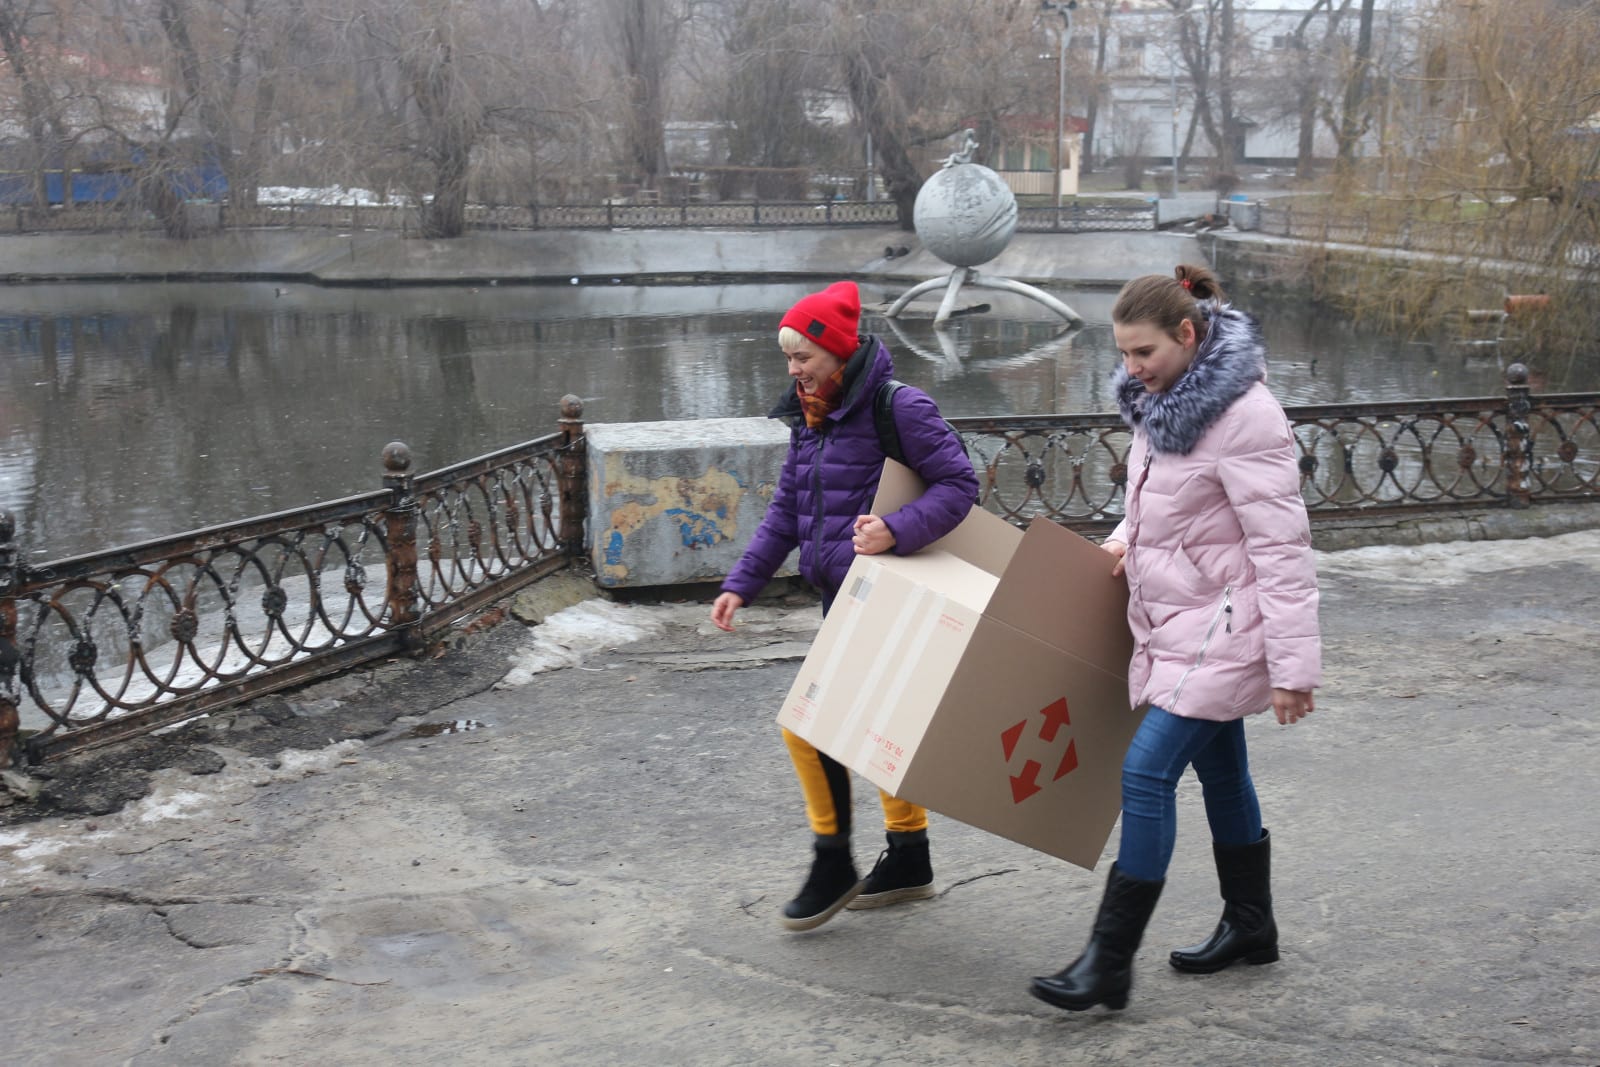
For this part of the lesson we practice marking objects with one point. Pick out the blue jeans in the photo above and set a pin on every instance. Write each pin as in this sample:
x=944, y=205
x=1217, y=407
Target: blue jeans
x=1163, y=746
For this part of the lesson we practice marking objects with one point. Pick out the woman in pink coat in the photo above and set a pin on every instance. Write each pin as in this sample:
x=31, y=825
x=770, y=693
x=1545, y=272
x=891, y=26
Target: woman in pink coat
x=1222, y=602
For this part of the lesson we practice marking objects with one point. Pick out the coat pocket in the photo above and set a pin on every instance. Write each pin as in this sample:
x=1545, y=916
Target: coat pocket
x=1188, y=579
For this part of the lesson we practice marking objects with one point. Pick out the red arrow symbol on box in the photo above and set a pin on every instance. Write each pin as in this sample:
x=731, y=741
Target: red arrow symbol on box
x=1026, y=784
x=1069, y=762
x=1055, y=717
x=1010, y=738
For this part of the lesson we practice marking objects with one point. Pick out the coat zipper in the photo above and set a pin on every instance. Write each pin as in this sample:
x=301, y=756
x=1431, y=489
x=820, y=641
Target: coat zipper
x=1223, y=609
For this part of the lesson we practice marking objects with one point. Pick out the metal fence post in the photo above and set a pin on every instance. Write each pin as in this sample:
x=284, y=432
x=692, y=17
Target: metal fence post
x=400, y=541
x=10, y=656
x=1519, y=437
x=572, y=475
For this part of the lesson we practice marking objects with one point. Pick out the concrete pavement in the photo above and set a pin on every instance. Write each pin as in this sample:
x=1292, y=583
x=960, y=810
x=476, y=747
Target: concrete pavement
x=588, y=869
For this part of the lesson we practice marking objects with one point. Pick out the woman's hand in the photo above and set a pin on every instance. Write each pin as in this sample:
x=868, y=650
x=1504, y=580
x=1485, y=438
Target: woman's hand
x=1118, y=549
x=722, y=610
x=872, y=536
x=1291, y=705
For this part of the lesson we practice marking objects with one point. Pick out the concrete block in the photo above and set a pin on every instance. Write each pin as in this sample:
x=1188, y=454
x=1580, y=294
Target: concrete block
x=1243, y=213
x=676, y=502
x=1171, y=209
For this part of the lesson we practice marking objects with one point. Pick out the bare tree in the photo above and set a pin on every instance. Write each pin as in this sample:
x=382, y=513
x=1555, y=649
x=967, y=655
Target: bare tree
x=1101, y=28
x=1199, y=45
x=429, y=93
x=1499, y=127
x=901, y=63
x=645, y=34
x=771, y=85
x=210, y=95
x=982, y=84
x=1354, y=119
x=24, y=24
x=1312, y=77
x=870, y=41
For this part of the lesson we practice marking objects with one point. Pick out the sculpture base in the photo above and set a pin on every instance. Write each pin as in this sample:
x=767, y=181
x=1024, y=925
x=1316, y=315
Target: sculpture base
x=969, y=276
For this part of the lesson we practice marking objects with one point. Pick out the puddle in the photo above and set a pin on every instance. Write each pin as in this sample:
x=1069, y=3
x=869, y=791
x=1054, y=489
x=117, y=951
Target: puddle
x=454, y=726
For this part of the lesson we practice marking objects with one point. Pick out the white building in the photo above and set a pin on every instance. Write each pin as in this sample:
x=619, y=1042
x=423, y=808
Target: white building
x=1147, y=105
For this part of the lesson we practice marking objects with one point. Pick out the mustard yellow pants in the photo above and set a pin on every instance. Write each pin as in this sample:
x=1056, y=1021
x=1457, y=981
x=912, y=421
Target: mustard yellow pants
x=826, y=785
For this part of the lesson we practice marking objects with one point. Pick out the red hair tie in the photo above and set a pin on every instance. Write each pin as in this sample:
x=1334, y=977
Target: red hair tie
x=1187, y=283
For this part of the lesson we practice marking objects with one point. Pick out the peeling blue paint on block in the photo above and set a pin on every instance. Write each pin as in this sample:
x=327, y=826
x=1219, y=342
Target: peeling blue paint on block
x=673, y=502
x=696, y=530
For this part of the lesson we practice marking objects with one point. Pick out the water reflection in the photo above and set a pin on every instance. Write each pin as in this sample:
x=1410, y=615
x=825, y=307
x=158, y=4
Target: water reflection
x=133, y=410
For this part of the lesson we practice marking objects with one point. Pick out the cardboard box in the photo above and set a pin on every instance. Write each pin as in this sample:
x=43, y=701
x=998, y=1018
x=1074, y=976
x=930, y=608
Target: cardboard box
x=984, y=677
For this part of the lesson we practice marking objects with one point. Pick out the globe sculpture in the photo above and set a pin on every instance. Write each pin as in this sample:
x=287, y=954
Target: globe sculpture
x=966, y=215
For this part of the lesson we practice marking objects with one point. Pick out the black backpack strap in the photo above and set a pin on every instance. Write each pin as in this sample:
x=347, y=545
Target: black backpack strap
x=883, y=419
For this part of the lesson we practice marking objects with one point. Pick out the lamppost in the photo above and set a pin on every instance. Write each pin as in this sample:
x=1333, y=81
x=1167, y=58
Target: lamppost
x=1180, y=8
x=1064, y=8
x=1174, y=73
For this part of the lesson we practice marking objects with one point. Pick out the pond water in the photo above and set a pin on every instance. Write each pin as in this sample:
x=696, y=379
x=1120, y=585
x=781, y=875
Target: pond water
x=130, y=411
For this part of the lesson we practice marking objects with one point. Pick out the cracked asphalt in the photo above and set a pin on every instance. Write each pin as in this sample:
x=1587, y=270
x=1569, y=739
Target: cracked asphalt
x=587, y=869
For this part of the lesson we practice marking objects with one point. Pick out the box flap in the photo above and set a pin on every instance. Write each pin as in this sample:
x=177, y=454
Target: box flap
x=982, y=539
x=1058, y=587
x=883, y=655
x=940, y=572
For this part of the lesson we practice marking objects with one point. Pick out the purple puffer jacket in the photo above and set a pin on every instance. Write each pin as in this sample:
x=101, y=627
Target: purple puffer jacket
x=830, y=477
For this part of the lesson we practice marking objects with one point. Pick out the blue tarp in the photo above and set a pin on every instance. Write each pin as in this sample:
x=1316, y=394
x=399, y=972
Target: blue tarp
x=196, y=183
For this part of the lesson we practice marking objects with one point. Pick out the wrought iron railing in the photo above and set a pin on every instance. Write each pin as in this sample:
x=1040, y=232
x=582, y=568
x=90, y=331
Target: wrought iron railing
x=104, y=646
x=1070, y=217
x=1078, y=217
x=1514, y=238
x=1354, y=458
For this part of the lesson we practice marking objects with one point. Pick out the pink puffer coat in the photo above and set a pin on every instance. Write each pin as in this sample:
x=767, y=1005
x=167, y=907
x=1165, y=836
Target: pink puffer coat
x=1221, y=577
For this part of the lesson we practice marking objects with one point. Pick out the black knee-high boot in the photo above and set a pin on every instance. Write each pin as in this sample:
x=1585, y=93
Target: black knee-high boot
x=1104, y=973
x=1247, y=930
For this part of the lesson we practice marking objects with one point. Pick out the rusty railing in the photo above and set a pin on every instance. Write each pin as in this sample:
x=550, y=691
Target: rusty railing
x=1073, y=217
x=1398, y=456
x=100, y=647
x=1513, y=237
x=105, y=646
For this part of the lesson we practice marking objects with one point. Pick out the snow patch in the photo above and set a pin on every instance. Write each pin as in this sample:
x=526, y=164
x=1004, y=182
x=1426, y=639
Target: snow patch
x=298, y=763
x=567, y=637
x=1458, y=561
x=334, y=195
x=172, y=806
x=39, y=849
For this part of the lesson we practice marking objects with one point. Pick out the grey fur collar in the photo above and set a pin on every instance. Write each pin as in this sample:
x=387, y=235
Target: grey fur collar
x=1231, y=359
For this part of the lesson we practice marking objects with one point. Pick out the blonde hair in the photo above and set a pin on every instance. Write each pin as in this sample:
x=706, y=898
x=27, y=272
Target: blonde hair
x=791, y=339
x=1165, y=302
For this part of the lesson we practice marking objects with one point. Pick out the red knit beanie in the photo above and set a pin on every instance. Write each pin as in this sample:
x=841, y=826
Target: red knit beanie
x=829, y=318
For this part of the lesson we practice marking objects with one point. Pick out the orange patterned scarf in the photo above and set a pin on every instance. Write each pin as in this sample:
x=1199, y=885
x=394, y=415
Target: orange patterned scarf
x=819, y=405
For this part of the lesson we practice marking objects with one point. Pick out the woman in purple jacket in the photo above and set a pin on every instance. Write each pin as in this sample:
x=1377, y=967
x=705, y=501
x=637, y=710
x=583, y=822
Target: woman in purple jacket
x=829, y=479
x=1222, y=602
